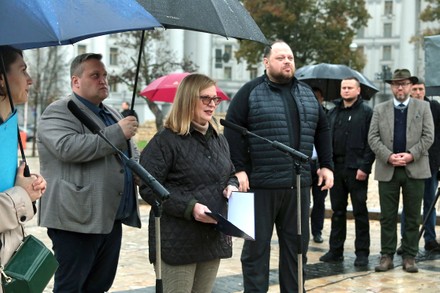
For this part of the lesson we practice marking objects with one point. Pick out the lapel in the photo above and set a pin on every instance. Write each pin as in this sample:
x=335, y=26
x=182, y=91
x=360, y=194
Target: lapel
x=88, y=112
x=411, y=113
x=389, y=116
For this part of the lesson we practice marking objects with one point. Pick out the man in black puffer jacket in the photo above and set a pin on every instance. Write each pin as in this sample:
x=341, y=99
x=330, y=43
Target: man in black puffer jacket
x=277, y=107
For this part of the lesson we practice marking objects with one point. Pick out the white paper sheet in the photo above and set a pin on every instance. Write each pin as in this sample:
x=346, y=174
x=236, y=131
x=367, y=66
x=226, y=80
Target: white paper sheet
x=241, y=212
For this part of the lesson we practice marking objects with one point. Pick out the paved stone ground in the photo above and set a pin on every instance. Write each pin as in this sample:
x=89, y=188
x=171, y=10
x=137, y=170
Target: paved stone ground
x=135, y=273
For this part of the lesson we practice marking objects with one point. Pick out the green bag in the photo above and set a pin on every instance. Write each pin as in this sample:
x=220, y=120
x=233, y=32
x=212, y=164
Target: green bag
x=30, y=268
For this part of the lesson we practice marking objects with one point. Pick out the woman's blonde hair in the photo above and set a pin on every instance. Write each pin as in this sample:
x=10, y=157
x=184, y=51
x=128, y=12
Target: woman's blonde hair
x=185, y=102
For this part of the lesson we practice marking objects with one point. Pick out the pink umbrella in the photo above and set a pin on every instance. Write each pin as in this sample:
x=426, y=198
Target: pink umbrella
x=164, y=88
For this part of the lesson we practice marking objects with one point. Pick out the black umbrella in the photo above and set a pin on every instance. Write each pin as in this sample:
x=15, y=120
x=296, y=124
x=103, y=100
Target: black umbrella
x=328, y=77
x=226, y=17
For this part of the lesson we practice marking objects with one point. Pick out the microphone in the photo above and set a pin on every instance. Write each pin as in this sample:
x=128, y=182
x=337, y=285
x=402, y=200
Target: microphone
x=275, y=144
x=235, y=127
x=78, y=113
x=134, y=166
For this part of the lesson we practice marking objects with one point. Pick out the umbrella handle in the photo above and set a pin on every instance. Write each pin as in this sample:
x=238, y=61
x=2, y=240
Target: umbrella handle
x=141, y=48
x=26, y=172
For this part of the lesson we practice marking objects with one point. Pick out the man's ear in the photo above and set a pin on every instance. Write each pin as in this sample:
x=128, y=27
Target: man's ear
x=75, y=81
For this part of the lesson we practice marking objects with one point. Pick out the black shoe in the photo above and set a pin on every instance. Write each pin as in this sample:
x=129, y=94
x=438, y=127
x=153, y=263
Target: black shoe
x=331, y=258
x=432, y=246
x=361, y=261
x=399, y=250
x=318, y=238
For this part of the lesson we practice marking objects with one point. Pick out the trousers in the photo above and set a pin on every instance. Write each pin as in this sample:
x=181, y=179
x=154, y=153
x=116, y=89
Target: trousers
x=389, y=194
x=345, y=183
x=276, y=206
x=318, y=210
x=87, y=262
x=429, y=194
x=190, y=278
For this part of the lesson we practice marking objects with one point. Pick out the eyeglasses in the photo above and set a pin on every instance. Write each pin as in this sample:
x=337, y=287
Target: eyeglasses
x=400, y=84
x=206, y=100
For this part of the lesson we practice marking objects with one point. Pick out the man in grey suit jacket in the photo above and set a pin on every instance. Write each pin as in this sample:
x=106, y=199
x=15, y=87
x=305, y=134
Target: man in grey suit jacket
x=401, y=132
x=91, y=192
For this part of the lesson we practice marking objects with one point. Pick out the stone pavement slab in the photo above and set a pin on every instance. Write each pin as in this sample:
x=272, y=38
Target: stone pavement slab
x=135, y=273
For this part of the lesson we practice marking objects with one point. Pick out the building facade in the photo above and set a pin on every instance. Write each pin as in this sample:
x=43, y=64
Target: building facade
x=389, y=41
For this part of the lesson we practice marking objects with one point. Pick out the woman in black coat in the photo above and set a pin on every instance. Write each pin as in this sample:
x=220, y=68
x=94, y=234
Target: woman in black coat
x=190, y=158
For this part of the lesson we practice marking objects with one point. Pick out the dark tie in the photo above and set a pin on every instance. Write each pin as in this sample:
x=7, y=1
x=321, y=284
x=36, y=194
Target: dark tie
x=401, y=107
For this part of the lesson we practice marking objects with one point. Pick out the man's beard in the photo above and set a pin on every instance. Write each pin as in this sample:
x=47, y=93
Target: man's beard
x=402, y=97
x=282, y=78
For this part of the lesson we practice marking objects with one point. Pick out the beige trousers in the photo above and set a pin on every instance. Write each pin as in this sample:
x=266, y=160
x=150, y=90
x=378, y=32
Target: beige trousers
x=191, y=278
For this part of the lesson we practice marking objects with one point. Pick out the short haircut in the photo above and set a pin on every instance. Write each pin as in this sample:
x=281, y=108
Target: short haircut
x=421, y=81
x=185, y=102
x=76, y=67
x=353, y=78
x=268, y=49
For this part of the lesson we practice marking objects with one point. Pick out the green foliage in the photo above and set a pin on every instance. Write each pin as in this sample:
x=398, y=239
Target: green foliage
x=317, y=30
x=431, y=14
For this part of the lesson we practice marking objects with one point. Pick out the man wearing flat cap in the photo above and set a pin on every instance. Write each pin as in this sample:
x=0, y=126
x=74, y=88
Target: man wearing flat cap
x=401, y=132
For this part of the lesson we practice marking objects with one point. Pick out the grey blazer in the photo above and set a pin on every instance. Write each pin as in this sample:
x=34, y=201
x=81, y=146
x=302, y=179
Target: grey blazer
x=419, y=137
x=85, y=176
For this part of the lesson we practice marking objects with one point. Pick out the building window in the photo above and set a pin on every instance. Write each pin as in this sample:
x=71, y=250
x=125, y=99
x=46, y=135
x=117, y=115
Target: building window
x=218, y=58
x=113, y=56
x=112, y=85
x=82, y=49
x=253, y=73
x=387, y=30
x=228, y=53
x=386, y=53
x=388, y=9
x=228, y=73
x=360, y=33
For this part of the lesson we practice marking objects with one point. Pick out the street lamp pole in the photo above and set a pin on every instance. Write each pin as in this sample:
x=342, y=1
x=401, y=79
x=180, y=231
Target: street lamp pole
x=353, y=47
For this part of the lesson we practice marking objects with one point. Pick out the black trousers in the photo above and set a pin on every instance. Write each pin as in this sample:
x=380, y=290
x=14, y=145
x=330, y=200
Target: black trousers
x=345, y=183
x=318, y=210
x=87, y=262
x=276, y=207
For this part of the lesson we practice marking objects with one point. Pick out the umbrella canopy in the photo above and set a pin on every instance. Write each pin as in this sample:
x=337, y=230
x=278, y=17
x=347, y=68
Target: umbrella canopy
x=40, y=23
x=226, y=17
x=164, y=88
x=328, y=77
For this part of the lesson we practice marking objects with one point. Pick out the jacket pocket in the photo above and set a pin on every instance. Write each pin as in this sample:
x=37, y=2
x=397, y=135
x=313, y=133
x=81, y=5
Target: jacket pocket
x=76, y=202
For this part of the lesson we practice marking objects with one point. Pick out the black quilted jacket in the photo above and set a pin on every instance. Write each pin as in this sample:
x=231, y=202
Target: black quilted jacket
x=194, y=168
x=260, y=107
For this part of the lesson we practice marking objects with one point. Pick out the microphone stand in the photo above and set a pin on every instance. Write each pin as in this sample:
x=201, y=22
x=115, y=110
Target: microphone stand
x=298, y=157
x=159, y=191
x=161, y=195
x=431, y=209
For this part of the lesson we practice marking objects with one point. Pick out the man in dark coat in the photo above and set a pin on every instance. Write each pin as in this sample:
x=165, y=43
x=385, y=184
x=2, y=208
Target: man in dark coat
x=350, y=122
